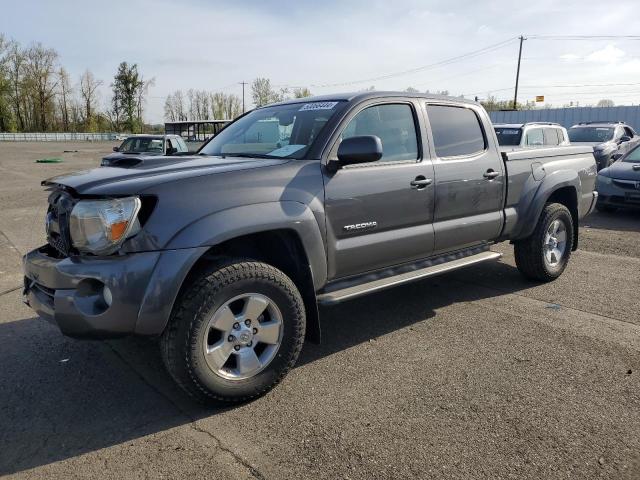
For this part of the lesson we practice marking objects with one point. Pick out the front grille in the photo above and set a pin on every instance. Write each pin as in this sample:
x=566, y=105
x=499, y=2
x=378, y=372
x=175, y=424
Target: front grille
x=60, y=206
x=627, y=184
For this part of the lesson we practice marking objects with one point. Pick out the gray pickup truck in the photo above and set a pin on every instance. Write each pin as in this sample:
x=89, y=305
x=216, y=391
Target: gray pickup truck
x=225, y=255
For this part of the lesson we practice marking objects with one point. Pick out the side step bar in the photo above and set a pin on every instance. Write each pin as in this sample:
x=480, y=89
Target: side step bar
x=381, y=284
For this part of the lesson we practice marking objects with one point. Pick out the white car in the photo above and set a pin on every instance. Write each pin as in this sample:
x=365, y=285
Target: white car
x=531, y=134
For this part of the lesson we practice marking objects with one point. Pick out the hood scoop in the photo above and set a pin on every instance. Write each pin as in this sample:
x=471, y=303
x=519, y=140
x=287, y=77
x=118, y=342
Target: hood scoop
x=125, y=162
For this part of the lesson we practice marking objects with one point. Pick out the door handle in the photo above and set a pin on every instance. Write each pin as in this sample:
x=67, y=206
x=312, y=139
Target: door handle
x=491, y=174
x=420, y=182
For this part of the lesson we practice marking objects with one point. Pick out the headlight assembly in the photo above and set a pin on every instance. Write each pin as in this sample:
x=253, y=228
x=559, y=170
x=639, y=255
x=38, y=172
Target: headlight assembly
x=100, y=226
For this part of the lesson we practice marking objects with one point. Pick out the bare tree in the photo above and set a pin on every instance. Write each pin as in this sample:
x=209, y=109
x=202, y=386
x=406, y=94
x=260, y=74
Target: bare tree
x=89, y=92
x=15, y=69
x=41, y=78
x=225, y=106
x=143, y=90
x=64, y=97
x=5, y=85
x=605, y=102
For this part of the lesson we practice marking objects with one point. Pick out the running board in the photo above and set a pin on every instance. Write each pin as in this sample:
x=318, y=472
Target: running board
x=384, y=283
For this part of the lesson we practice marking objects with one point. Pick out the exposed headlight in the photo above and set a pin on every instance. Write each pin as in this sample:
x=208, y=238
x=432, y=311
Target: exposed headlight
x=604, y=180
x=100, y=226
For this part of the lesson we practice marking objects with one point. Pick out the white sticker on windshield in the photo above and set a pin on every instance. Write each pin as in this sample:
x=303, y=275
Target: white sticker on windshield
x=318, y=106
x=508, y=132
x=286, y=150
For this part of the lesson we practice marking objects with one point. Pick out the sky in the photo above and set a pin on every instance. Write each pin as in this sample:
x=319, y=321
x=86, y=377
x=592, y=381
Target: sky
x=334, y=46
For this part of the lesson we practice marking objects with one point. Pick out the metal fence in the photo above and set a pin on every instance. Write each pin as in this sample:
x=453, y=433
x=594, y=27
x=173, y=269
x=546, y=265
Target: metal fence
x=570, y=116
x=57, y=137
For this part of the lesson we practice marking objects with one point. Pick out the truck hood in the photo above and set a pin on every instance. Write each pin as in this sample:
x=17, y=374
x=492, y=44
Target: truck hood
x=622, y=171
x=153, y=171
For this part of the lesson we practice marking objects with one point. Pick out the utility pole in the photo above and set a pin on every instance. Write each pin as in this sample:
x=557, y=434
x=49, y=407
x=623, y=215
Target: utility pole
x=515, y=96
x=243, y=84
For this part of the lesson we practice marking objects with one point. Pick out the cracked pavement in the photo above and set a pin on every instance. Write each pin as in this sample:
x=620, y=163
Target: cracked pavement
x=475, y=374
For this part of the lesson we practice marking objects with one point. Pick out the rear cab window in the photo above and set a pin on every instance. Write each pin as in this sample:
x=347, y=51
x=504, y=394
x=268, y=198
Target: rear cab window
x=456, y=131
x=509, y=136
x=551, y=136
x=534, y=137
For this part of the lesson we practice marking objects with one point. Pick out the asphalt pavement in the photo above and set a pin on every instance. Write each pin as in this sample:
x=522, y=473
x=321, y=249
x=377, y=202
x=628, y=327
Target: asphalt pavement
x=475, y=374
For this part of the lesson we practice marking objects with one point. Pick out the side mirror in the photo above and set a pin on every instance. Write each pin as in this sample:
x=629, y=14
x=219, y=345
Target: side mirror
x=116, y=149
x=362, y=149
x=624, y=138
x=616, y=156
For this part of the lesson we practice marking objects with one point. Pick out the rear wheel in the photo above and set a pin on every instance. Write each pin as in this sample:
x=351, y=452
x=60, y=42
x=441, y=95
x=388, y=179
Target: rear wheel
x=545, y=254
x=234, y=333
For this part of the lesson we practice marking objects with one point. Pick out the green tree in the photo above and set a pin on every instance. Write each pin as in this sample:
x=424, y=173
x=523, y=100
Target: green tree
x=301, y=92
x=605, y=102
x=126, y=85
x=263, y=93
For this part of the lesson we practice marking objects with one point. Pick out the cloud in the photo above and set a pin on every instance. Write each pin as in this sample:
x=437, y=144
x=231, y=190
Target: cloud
x=609, y=54
x=570, y=57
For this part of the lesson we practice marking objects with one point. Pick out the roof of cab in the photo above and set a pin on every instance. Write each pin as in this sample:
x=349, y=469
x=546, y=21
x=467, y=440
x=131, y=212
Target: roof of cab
x=360, y=96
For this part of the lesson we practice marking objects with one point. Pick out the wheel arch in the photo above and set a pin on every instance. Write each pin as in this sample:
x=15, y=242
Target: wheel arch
x=562, y=187
x=285, y=235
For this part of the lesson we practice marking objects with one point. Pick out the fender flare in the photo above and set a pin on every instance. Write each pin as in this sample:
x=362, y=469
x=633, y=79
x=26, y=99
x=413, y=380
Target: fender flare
x=223, y=225
x=533, y=201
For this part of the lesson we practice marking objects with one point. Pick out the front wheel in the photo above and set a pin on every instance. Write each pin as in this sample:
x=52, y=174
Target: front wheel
x=234, y=333
x=545, y=254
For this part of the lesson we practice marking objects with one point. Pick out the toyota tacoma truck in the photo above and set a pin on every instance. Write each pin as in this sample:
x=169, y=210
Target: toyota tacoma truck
x=225, y=255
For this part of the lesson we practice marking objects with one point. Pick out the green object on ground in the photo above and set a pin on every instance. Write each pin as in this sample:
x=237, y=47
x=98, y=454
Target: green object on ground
x=49, y=160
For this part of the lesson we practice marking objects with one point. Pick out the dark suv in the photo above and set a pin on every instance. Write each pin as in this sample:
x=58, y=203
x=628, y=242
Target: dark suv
x=607, y=139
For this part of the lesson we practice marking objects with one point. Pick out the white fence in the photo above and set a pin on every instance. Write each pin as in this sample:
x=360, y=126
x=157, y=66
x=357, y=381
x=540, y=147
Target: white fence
x=58, y=137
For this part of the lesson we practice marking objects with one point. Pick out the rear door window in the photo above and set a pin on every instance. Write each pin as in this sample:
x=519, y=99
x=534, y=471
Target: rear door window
x=456, y=131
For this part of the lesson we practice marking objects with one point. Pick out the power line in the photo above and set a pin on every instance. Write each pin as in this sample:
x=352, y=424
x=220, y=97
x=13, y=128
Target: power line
x=447, y=61
x=584, y=37
x=555, y=86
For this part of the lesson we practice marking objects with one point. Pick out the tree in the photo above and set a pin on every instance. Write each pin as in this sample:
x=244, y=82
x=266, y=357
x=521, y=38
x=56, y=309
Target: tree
x=174, y=109
x=5, y=86
x=143, y=89
x=301, y=92
x=64, y=97
x=225, y=106
x=411, y=90
x=605, y=103
x=126, y=85
x=89, y=92
x=41, y=80
x=263, y=93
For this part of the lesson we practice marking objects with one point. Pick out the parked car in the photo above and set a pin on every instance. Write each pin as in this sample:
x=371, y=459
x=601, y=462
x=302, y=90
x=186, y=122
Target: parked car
x=145, y=145
x=619, y=184
x=225, y=255
x=607, y=138
x=531, y=134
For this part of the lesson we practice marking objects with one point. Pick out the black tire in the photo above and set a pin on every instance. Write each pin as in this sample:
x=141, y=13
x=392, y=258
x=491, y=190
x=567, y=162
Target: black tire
x=530, y=252
x=601, y=207
x=182, y=343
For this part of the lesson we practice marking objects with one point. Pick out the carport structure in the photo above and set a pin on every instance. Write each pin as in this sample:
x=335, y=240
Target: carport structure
x=195, y=130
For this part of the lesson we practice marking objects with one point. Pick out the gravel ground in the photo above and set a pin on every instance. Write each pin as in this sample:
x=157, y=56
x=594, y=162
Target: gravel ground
x=476, y=374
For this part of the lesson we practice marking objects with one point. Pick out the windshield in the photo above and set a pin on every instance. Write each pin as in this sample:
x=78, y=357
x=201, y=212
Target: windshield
x=590, y=134
x=282, y=131
x=141, y=145
x=509, y=136
x=633, y=156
